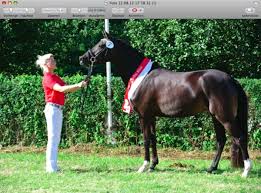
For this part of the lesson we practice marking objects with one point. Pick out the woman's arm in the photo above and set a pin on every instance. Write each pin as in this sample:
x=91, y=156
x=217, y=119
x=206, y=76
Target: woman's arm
x=69, y=88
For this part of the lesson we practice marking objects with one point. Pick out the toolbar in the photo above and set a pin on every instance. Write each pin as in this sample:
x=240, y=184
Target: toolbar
x=123, y=9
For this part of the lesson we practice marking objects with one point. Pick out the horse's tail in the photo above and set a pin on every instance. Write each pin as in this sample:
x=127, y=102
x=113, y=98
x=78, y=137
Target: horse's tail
x=241, y=118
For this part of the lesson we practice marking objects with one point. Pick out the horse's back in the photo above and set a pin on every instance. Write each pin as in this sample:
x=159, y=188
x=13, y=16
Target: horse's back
x=168, y=93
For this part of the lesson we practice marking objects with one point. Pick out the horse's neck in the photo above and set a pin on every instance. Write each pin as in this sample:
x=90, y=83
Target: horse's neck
x=126, y=64
x=127, y=60
x=126, y=73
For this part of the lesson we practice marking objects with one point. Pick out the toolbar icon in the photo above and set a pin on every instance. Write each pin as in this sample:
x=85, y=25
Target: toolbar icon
x=9, y=2
x=79, y=10
x=136, y=10
x=250, y=10
x=19, y=10
x=54, y=10
x=117, y=10
x=256, y=2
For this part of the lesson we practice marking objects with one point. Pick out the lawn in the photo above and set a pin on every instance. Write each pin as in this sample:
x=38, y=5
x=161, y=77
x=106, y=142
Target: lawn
x=107, y=171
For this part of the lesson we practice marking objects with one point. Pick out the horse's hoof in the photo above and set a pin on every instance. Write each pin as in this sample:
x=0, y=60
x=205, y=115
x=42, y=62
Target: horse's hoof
x=144, y=167
x=246, y=172
x=247, y=168
x=211, y=170
x=151, y=170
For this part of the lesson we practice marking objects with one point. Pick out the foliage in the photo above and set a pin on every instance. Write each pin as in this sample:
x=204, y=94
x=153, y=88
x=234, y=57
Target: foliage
x=253, y=88
x=23, y=40
x=181, y=45
x=232, y=46
x=22, y=120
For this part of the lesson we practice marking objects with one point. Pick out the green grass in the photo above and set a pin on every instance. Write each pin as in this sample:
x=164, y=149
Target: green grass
x=24, y=172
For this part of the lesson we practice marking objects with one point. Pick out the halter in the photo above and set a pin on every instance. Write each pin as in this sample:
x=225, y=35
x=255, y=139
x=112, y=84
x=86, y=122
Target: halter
x=92, y=60
x=93, y=57
x=88, y=76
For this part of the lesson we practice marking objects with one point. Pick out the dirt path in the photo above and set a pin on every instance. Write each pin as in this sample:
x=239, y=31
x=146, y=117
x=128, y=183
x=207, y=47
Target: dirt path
x=131, y=151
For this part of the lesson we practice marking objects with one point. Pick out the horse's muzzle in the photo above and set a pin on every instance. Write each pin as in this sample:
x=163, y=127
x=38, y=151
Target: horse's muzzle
x=81, y=60
x=87, y=58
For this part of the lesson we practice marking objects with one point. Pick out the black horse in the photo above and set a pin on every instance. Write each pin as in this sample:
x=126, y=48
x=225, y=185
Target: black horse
x=165, y=93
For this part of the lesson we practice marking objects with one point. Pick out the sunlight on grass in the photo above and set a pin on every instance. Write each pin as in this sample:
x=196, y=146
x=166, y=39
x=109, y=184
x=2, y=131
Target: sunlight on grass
x=24, y=172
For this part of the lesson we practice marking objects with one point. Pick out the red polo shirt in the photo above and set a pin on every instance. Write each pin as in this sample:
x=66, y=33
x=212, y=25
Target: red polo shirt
x=51, y=95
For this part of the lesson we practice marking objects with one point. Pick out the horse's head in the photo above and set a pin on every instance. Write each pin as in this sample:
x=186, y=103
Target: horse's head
x=99, y=53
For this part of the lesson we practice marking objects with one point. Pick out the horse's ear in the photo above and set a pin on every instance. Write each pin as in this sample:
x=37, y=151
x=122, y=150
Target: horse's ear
x=106, y=35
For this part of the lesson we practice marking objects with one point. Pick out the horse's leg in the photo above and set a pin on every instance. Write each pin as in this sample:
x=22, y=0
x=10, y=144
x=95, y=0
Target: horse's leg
x=221, y=140
x=145, y=126
x=245, y=155
x=242, y=142
x=155, y=159
x=240, y=139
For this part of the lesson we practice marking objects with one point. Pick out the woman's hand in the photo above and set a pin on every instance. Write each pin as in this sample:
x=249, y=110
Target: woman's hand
x=83, y=83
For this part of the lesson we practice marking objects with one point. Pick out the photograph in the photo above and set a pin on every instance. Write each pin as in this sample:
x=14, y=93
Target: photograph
x=116, y=97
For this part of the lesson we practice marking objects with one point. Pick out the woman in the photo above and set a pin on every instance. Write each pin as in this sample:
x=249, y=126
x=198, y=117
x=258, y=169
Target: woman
x=54, y=89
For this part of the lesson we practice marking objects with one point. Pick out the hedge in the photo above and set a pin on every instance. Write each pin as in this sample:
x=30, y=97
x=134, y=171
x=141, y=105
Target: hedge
x=232, y=46
x=22, y=120
x=185, y=45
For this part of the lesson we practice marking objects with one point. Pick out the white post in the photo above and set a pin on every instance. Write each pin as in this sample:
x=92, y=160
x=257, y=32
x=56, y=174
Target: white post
x=109, y=97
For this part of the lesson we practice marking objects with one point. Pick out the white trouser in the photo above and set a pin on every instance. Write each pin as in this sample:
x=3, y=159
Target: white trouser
x=54, y=119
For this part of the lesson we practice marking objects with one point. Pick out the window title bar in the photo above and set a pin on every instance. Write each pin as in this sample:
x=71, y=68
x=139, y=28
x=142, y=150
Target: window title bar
x=123, y=9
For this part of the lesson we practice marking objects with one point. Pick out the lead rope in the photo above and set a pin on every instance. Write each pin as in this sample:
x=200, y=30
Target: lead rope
x=84, y=89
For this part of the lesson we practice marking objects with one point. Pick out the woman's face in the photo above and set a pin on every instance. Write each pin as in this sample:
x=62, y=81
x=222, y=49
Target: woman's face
x=51, y=63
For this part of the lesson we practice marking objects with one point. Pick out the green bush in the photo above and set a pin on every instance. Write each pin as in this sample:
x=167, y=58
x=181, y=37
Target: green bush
x=182, y=45
x=22, y=120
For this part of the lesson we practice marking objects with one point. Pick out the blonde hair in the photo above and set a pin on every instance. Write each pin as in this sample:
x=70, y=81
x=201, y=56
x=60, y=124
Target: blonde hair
x=41, y=61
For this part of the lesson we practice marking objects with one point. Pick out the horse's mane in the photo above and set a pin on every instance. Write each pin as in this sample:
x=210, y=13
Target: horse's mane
x=126, y=44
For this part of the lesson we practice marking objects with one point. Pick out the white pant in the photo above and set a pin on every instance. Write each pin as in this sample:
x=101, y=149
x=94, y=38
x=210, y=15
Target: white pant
x=54, y=119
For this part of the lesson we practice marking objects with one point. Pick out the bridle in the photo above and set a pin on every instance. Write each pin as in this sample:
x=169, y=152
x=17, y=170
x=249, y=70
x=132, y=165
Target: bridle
x=90, y=69
x=93, y=56
x=87, y=77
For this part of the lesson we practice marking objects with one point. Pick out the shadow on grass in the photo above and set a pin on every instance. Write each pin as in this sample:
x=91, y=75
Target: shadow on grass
x=191, y=171
x=174, y=168
x=102, y=170
x=253, y=173
x=134, y=170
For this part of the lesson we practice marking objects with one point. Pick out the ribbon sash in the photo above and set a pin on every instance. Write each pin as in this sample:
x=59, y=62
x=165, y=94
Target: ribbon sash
x=134, y=82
